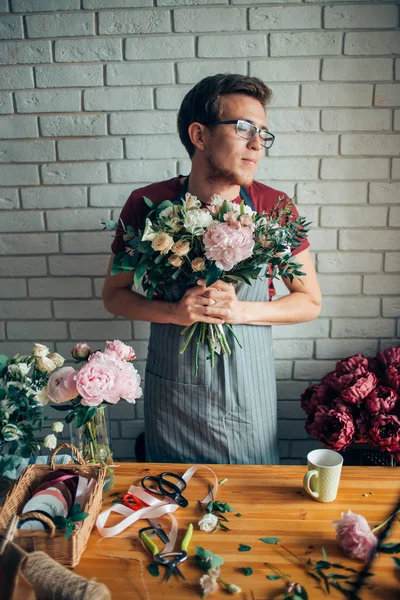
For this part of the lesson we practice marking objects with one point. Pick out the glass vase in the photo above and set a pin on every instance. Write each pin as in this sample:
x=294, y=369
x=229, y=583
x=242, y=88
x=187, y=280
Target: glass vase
x=93, y=440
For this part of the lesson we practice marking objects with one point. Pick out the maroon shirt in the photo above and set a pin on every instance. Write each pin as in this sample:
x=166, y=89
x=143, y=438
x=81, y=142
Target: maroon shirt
x=135, y=210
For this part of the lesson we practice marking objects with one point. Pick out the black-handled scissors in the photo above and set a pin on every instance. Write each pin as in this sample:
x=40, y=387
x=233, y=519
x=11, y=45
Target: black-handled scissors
x=163, y=486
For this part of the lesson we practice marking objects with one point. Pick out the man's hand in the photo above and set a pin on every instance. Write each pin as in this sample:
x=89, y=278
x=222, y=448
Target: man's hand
x=226, y=304
x=195, y=307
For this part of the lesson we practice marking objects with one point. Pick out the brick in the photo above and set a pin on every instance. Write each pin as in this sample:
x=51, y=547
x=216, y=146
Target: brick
x=397, y=68
x=90, y=149
x=36, y=330
x=383, y=344
x=189, y=2
x=85, y=242
x=282, y=69
x=349, y=262
x=145, y=123
x=339, y=349
x=54, y=197
x=311, y=213
x=79, y=264
x=67, y=173
x=8, y=199
x=301, y=448
x=292, y=120
x=121, y=3
x=339, y=285
x=14, y=175
x=284, y=96
x=80, y=219
x=285, y=17
x=192, y=72
x=80, y=309
x=209, y=19
x=305, y=145
x=293, y=349
x=373, y=43
x=387, y=94
x=336, y=94
x=18, y=127
x=322, y=239
x=381, y=284
x=109, y=195
x=291, y=429
x=289, y=390
x=141, y=330
x=69, y=76
x=4, y=6
x=396, y=168
x=48, y=101
x=394, y=216
x=331, y=193
x=19, y=221
x=219, y=46
x=60, y=287
x=121, y=98
x=377, y=239
x=296, y=168
x=25, y=309
x=27, y=265
x=73, y=125
x=319, y=328
x=11, y=27
x=12, y=288
x=283, y=369
x=396, y=121
x=110, y=330
x=16, y=78
x=355, y=17
x=392, y=261
x=355, y=119
x=350, y=306
x=60, y=25
x=349, y=216
x=171, y=97
x=159, y=47
x=370, y=144
x=6, y=105
x=367, y=328
x=143, y=170
x=154, y=146
x=312, y=369
x=36, y=151
x=89, y=50
x=290, y=410
x=384, y=192
x=43, y=5
x=149, y=73
x=354, y=168
x=13, y=53
x=123, y=450
x=305, y=44
x=357, y=69
x=390, y=307
x=139, y=409
x=136, y=21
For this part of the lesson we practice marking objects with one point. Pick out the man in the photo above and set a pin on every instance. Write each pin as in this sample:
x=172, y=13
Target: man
x=227, y=414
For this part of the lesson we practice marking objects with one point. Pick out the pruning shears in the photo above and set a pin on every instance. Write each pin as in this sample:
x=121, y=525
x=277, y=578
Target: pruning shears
x=171, y=560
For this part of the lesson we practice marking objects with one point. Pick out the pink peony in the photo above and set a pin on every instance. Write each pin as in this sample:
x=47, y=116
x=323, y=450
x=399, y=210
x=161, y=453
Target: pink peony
x=309, y=400
x=351, y=364
x=81, y=351
x=99, y=380
x=392, y=376
x=355, y=537
x=334, y=429
x=363, y=426
x=228, y=246
x=129, y=388
x=354, y=387
x=389, y=356
x=382, y=399
x=123, y=351
x=385, y=432
x=61, y=386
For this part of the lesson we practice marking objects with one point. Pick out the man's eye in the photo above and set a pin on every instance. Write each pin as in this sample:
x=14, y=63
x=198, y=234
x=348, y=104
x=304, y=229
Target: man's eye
x=243, y=126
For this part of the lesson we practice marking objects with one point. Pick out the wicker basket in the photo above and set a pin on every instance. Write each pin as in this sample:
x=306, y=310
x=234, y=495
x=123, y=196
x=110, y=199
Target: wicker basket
x=53, y=542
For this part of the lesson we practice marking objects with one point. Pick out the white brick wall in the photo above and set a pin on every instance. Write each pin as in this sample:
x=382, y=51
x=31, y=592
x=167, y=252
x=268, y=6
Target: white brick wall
x=90, y=91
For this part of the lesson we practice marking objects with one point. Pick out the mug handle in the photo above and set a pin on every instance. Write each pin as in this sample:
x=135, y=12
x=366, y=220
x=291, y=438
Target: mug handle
x=306, y=482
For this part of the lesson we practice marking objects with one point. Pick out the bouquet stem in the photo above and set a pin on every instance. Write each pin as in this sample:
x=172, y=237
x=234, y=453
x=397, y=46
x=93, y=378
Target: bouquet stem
x=215, y=338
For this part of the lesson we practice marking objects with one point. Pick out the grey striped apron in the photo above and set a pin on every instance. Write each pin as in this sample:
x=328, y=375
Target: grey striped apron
x=225, y=415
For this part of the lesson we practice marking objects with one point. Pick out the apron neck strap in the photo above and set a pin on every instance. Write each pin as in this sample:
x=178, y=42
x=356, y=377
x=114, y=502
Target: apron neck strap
x=244, y=194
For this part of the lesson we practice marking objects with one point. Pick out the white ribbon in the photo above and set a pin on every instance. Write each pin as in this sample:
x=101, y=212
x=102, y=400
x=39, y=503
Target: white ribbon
x=156, y=509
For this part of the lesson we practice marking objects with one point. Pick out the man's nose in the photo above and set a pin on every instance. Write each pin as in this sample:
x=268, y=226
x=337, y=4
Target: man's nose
x=255, y=142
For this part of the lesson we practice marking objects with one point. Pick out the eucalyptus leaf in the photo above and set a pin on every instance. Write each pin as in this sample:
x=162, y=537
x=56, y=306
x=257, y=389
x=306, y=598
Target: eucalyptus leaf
x=244, y=548
x=270, y=540
x=247, y=571
x=148, y=202
x=392, y=548
x=273, y=577
x=153, y=569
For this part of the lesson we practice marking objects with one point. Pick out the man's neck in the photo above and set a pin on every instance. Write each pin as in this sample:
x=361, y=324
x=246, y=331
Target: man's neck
x=204, y=189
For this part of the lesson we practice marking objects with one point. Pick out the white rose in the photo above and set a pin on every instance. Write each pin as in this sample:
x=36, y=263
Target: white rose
x=149, y=234
x=40, y=350
x=45, y=365
x=50, y=441
x=57, y=427
x=41, y=396
x=19, y=369
x=57, y=359
x=208, y=522
x=197, y=221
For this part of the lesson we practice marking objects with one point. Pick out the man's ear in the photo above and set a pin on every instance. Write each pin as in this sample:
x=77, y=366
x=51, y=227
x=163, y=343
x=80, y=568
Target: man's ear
x=197, y=133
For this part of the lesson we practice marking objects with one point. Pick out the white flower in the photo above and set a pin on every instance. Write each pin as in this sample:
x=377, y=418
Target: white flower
x=209, y=584
x=149, y=234
x=57, y=359
x=40, y=350
x=50, y=441
x=197, y=221
x=57, y=427
x=191, y=202
x=208, y=522
x=41, y=396
x=19, y=369
x=170, y=212
x=45, y=365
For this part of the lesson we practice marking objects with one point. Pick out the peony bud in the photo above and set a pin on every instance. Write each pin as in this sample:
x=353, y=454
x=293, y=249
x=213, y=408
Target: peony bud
x=81, y=351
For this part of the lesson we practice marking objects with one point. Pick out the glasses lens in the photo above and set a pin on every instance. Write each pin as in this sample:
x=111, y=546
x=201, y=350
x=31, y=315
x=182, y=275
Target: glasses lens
x=245, y=130
x=266, y=139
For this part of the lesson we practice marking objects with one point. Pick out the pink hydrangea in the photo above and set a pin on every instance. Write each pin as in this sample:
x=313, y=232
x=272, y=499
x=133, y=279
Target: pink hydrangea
x=355, y=537
x=382, y=399
x=228, y=246
x=99, y=380
x=123, y=351
x=61, y=386
x=129, y=387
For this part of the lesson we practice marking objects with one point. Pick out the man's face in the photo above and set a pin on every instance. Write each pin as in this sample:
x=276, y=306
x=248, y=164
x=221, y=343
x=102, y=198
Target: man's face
x=230, y=158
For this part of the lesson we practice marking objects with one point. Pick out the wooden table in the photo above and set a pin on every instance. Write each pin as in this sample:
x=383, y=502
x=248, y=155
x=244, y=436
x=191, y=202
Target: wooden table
x=272, y=503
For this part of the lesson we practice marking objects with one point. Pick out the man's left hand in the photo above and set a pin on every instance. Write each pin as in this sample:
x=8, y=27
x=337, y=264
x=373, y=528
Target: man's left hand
x=226, y=304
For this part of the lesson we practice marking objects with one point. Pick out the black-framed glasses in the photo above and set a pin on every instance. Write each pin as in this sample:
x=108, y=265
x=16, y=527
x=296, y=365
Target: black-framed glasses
x=247, y=131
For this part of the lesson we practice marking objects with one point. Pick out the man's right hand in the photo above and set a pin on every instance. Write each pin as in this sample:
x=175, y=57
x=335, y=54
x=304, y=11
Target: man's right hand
x=194, y=307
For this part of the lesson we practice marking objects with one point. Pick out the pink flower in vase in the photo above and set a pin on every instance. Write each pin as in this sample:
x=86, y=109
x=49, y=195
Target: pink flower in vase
x=81, y=351
x=355, y=537
x=355, y=387
x=61, y=386
x=385, y=432
x=123, y=351
x=98, y=381
x=354, y=363
x=389, y=356
x=228, y=246
x=309, y=400
x=381, y=400
x=334, y=429
x=129, y=388
x=363, y=426
x=393, y=376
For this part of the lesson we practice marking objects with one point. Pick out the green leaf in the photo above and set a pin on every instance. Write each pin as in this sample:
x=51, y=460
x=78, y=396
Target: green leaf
x=90, y=413
x=247, y=571
x=163, y=205
x=81, y=516
x=322, y=564
x=209, y=507
x=140, y=271
x=153, y=569
x=396, y=561
x=148, y=202
x=199, y=552
x=273, y=577
x=3, y=363
x=224, y=527
x=70, y=528
x=213, y=274
x=244, y=548
x=60, y=522
x=323, y=553
x=238, y=515
x=392, y=548
x=336, y=576
x=270, y=540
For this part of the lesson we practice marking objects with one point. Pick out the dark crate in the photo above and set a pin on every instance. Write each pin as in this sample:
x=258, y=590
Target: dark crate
x=364, y=455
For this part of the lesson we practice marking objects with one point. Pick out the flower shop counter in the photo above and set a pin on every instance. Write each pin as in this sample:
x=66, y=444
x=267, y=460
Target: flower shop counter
x=268, y=502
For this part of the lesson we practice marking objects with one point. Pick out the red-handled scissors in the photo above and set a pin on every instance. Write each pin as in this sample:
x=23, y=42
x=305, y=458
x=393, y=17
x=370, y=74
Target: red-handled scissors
x=135, y=503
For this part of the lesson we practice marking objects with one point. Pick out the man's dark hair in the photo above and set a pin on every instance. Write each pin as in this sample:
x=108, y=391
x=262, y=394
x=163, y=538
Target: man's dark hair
x=202, y=103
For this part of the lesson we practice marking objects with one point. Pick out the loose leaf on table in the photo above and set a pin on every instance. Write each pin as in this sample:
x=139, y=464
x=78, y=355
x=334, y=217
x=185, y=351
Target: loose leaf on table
x=392, y=548
x=238, y=515
x=244, y=548
x=273, y=577
x=270, y=540
x=153, y=569
x=396, y=561
x=247, y=571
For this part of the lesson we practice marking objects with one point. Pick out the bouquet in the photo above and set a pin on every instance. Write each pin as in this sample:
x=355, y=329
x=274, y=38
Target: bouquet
x=23, y=380
x=183, y=242
x=357, y=402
